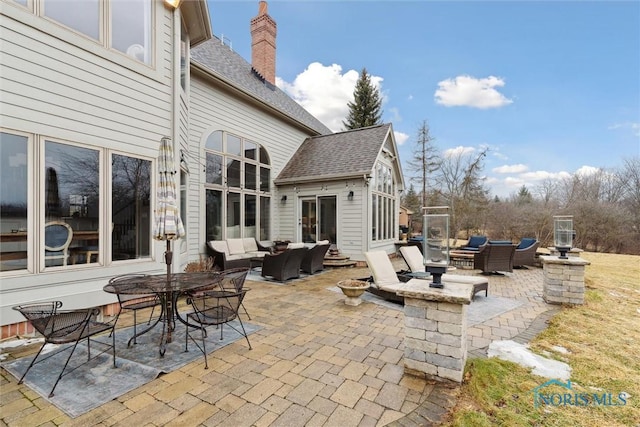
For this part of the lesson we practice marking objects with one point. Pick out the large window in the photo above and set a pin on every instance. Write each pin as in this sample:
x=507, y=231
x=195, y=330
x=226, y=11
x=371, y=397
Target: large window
x=240, y=170
x=383, y=203
x=122, y=25
x=52, y=205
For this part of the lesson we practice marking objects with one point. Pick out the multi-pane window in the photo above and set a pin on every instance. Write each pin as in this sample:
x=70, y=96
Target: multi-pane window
x=383, y=203
x=122, y=25
x=237, y=177
x=52, y=205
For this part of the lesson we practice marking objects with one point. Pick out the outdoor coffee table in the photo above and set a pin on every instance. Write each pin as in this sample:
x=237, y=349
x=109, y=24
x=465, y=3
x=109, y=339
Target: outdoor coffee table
x=168, y=288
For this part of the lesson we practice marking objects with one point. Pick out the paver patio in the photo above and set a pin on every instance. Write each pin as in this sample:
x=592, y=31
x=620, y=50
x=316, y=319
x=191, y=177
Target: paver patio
x=316, y=362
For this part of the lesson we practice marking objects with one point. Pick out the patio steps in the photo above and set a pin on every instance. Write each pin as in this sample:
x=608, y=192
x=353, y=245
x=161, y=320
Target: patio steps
x=338, y=261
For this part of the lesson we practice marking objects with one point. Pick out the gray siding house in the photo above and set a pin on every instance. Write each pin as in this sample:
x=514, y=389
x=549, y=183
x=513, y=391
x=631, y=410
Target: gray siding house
x=82, y=115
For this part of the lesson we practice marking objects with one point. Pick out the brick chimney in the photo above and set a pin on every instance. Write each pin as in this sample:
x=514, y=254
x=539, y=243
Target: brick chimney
x=263, y=44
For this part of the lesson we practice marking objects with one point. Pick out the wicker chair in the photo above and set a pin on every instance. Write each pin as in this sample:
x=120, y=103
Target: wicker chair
x=63, y=327
x=495, y=257
x=285, y=265
x=313, y=260
x=525, y=252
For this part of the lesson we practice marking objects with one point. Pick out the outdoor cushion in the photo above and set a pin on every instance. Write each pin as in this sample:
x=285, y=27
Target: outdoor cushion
x=235, y=246
x=381, y=268
x=322, y=242
x=476, y=241
x=413, y=258
x=250, y=244
x=526, y=242
x=219, y=245
x=295, y=245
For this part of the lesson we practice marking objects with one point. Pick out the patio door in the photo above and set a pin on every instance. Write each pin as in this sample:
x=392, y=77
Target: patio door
x=318, y=219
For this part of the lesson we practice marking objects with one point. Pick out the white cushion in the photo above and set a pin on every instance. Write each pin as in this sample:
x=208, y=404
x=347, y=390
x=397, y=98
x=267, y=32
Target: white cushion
x=250, y=244
x=235, y=257
x=235, y=246
x=413, y=258
x=322, y=242
x=295, y=245
x=381, y=268
x=219, y=245
x=257, y=254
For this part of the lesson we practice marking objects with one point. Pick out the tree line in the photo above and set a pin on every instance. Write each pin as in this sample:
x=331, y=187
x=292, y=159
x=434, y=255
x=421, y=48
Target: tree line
x=605, y=205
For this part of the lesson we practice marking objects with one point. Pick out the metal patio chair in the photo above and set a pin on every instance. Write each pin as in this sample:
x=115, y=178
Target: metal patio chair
x=214, y=307
x=134, y=302
x=63, y=327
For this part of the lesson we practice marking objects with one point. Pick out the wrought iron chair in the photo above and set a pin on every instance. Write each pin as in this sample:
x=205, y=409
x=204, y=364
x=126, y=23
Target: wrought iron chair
x=57, y=238
x=233, y=280
x=214, y=306
x=63, y=327
x=134, y=302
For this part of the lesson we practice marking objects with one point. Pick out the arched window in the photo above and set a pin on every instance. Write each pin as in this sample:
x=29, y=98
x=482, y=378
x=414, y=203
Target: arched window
x=237, y=188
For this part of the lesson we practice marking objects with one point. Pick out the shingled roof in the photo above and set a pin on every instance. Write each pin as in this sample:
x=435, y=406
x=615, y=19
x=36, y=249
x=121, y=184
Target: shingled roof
x=218, y=58
x=351, y=153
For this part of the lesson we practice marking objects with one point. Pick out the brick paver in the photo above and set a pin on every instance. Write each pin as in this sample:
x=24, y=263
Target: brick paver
x=315, y=362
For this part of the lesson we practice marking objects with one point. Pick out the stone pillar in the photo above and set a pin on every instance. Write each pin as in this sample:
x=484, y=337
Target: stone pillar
x=563, y=280
x=435, y=343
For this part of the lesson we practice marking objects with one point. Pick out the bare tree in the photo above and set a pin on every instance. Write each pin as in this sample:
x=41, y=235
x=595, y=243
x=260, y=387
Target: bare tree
x=461, y=186
x=424, y=161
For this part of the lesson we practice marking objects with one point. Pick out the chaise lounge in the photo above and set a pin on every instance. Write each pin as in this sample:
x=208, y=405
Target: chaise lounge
x=415, y=262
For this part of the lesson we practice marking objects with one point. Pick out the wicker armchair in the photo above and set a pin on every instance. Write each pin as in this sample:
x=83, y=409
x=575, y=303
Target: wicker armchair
x=63, y=327
x=495, y=257
x=285, y=265
x=313, y=260
x=525, y=252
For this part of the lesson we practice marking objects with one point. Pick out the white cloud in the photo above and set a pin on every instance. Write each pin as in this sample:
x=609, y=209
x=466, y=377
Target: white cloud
x=324, y=91
x=519, y=168
x=458, y=151
x=400, y=137
x=410, y=98
x=587, y=170
x=471, y=92
x=635, y=127
x=395, y=115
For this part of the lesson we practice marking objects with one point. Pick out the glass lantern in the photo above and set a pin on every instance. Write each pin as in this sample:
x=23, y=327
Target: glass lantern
x=563, y=234
x=435, y=242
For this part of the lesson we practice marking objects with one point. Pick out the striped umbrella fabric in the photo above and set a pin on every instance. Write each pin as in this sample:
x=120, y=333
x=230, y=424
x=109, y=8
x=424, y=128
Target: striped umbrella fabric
x=168, y=225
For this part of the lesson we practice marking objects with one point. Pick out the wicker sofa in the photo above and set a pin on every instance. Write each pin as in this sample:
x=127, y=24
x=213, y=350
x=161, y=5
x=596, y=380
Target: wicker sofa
x=235, y=253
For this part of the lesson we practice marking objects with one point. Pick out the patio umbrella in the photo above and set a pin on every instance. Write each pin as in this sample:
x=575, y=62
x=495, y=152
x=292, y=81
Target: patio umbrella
x=168, y=225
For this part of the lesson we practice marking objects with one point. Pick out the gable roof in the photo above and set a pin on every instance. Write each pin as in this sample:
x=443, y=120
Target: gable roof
x=340, y=155
x=216, y=60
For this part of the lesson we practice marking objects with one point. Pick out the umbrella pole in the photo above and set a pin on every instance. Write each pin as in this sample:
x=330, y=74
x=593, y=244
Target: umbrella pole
x=168, y=257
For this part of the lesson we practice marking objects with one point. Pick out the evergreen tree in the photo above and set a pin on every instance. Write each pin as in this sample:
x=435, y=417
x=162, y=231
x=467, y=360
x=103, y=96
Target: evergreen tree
x=366, y=108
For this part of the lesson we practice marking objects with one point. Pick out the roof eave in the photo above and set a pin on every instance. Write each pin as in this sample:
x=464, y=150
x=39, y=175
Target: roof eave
x=211, y=75
x=196, y=17
x=317, y=178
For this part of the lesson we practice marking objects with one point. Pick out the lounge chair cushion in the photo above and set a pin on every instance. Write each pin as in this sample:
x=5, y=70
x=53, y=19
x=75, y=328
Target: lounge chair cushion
x=235, y=246
x=526, y=242
x=413, y=258
x=383, y=273
x=250, y=244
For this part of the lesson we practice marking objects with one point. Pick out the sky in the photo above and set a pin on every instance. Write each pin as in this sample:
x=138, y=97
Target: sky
x=550, y=88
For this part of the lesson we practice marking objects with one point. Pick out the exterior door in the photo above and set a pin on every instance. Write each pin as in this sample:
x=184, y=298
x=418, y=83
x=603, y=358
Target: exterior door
x=318, y=219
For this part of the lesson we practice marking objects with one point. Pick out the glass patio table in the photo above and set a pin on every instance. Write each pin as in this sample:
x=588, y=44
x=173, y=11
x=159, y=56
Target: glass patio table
x=168, y=288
